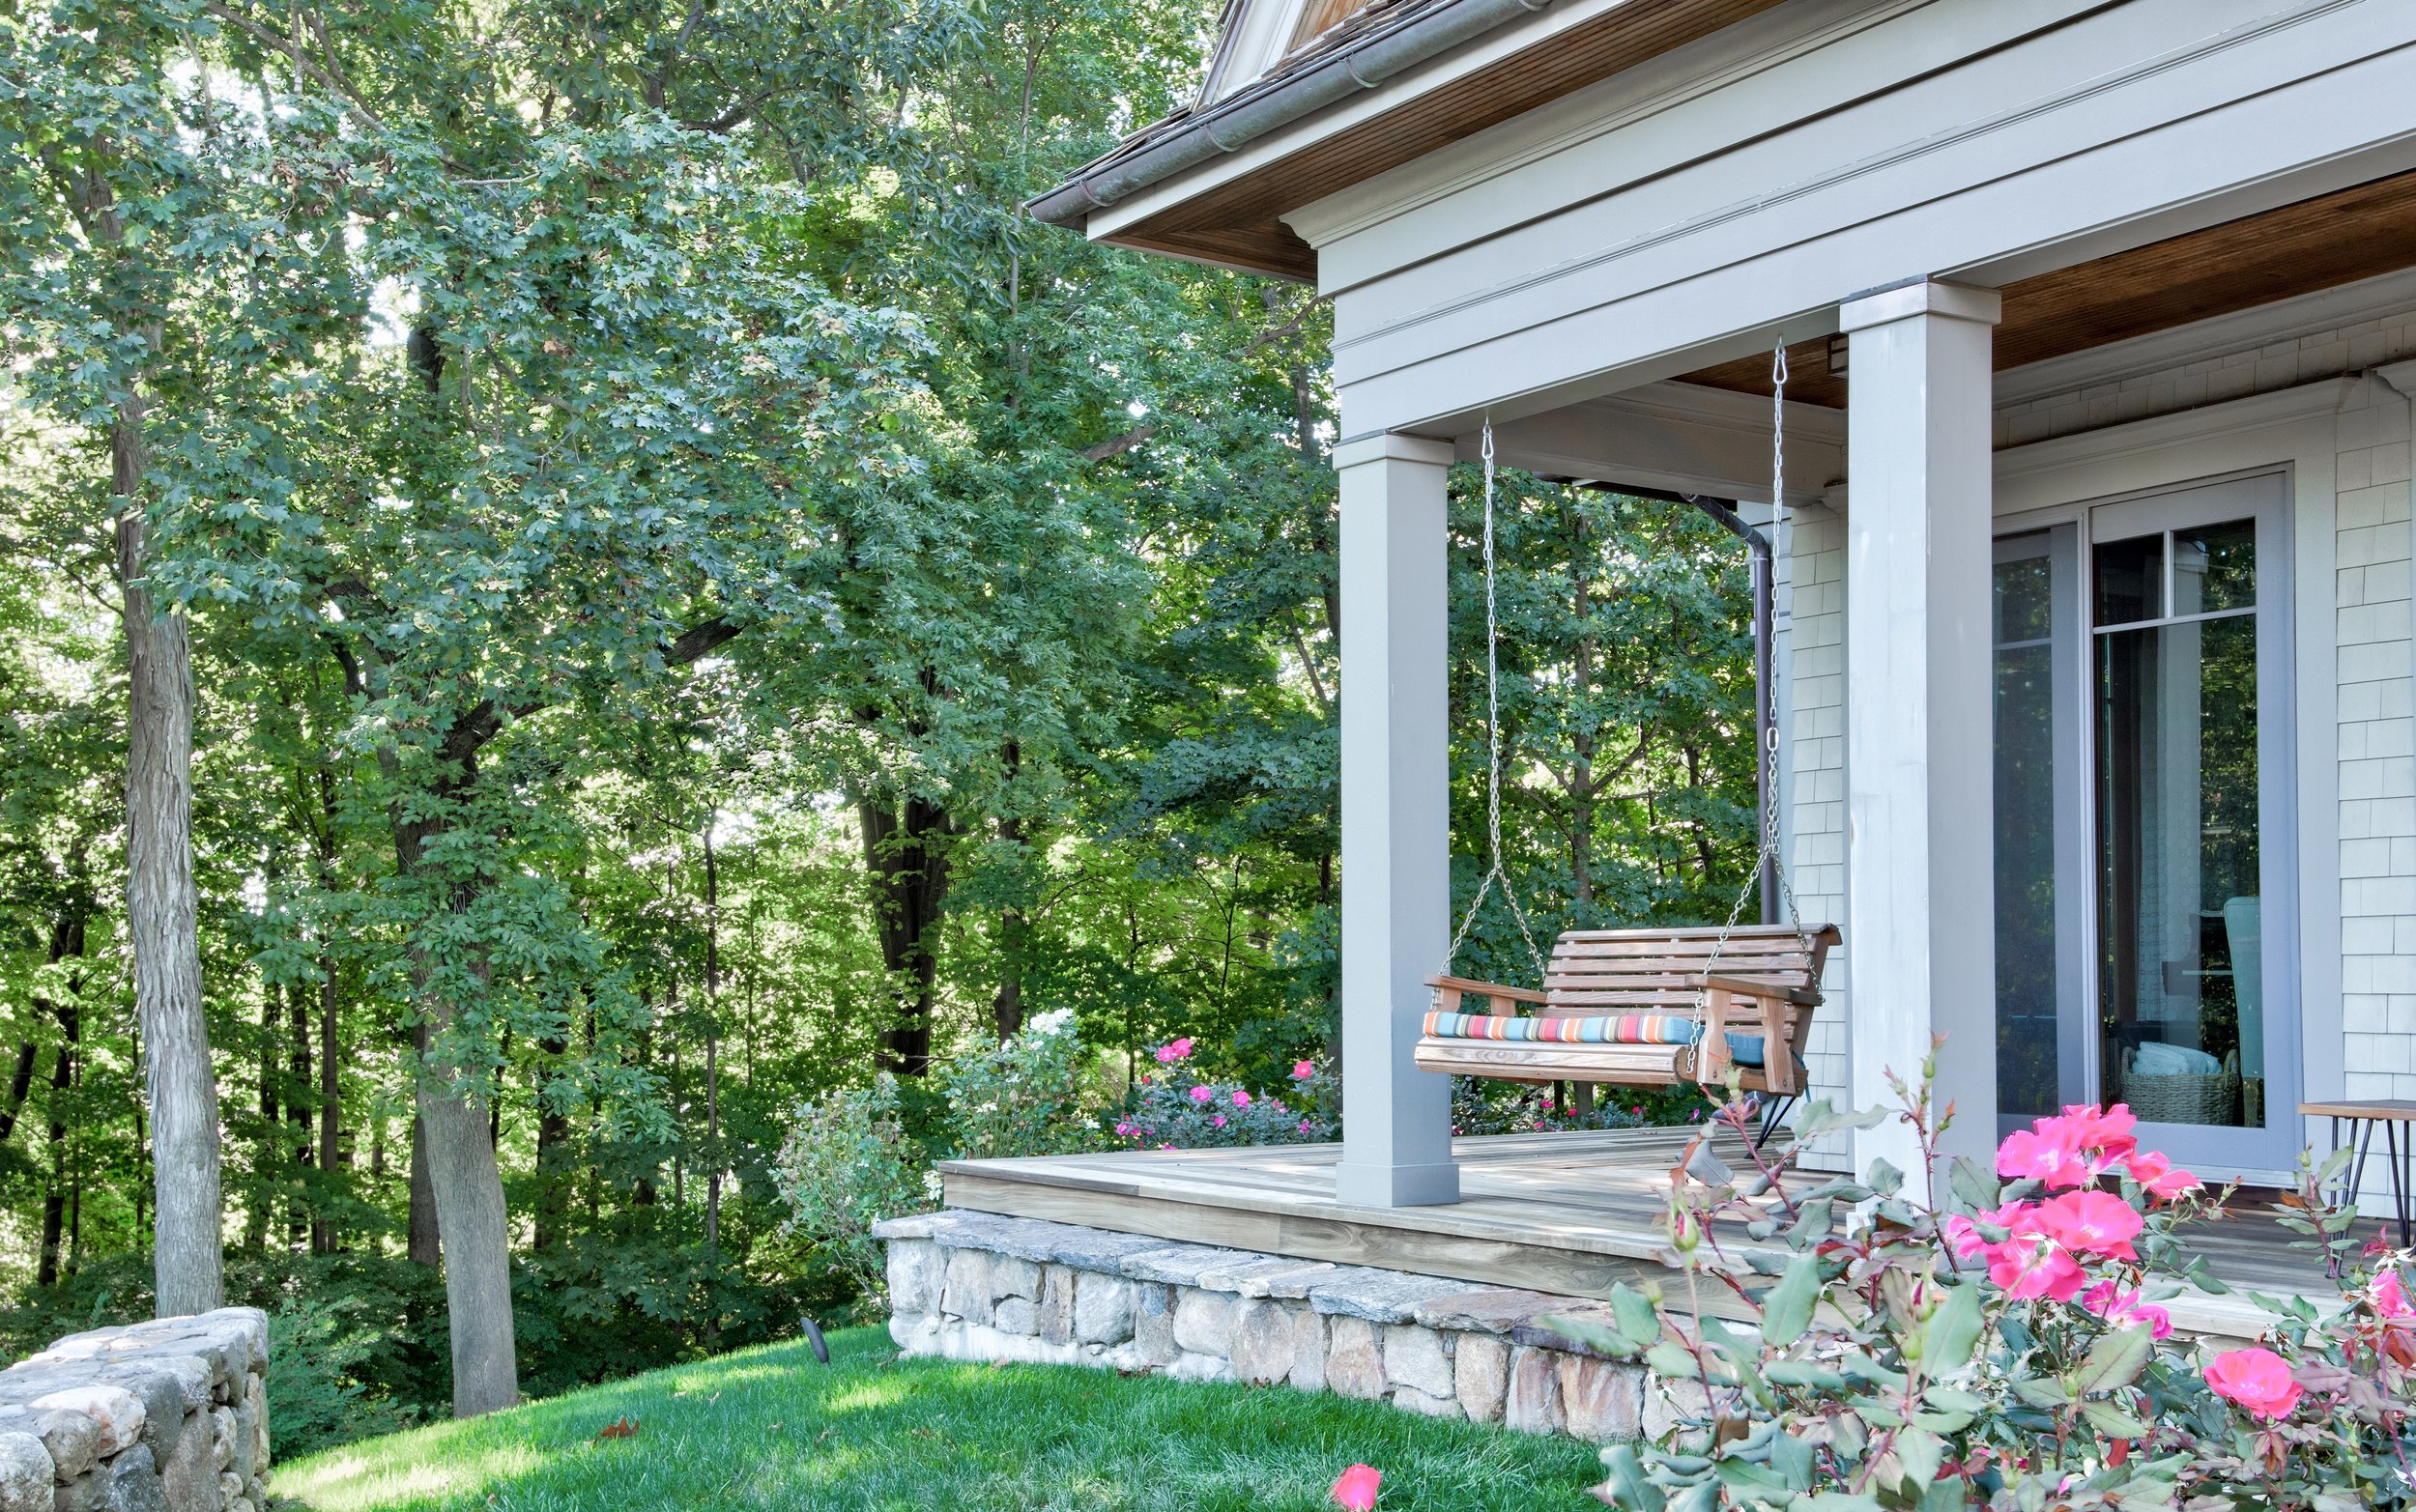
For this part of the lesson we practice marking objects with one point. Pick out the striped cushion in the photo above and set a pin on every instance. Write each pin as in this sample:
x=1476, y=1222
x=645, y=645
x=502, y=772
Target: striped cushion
x=1606, y=1029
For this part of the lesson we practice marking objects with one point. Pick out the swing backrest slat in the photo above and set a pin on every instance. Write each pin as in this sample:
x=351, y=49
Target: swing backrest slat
x=1595, y=970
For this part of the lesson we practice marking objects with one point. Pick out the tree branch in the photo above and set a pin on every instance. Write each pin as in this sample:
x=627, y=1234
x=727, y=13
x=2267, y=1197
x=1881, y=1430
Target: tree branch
x=1118, y=445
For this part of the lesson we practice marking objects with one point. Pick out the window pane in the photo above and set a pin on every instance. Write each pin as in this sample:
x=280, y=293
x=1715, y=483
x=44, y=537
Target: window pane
x=2179, y=915
x=2024, y=600
x=2130, y=579
x=2214, y=568
x=2026, y=1041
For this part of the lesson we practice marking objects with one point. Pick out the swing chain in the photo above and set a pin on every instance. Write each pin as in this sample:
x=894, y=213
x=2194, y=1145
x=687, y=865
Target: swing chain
x=1493, y=761
x=1770, y=844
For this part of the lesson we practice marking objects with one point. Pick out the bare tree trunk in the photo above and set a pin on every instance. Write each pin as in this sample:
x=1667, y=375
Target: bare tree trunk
x=20, y=1084
x=264, y=1158
x=419, y=1243
x=187, y=1254
x=298, y=1112
x=54, y=1190
x=712, y=1057
x=466, y=1190
x=331, y=1120
x=905, y=853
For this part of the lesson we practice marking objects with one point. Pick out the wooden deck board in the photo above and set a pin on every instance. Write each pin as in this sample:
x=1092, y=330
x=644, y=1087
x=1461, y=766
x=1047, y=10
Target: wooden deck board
x=1574, y=1214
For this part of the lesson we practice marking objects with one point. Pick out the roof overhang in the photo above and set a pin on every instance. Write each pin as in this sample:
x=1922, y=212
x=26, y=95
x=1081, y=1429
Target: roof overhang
x=1212, y=185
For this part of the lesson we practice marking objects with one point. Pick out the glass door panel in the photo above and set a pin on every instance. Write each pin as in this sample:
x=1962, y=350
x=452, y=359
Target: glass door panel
x=2145, y=950
x=2040, y=882
x=2179, y=835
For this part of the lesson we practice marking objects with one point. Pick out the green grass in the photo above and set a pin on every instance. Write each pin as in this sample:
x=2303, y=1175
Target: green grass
x=772, y=1428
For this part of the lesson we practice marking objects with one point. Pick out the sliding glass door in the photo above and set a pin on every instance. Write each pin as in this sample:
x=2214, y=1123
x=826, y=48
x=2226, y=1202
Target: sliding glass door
x=2142, y=816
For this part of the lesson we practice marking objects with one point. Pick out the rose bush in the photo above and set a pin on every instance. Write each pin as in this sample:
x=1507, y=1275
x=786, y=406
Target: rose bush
x=2005, y=1348
x=1173, y=1109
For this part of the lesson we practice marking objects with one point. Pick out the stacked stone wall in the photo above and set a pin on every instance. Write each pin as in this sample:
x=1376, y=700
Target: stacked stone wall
x=164, y=1416
x=977, y=1286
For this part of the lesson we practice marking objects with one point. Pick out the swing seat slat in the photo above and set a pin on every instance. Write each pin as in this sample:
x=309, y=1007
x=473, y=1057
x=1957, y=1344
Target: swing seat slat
x=1755, y=991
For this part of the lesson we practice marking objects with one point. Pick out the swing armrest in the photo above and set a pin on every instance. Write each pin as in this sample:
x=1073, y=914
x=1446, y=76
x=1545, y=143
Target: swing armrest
x=1746, y=987
x=1450, y=988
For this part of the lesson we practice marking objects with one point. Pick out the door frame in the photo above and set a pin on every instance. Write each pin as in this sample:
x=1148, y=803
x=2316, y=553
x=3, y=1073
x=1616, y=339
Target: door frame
x=2293, y=432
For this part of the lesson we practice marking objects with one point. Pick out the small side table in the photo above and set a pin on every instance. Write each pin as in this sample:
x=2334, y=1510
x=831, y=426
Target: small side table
x=2398, y=1117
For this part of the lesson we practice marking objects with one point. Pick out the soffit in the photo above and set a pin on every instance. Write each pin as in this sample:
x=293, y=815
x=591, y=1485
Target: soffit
x=2318, y=243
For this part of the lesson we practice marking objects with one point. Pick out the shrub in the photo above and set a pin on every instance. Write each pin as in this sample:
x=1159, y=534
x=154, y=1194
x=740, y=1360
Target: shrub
x=2009, y=1351
x=847, y=1165
x=321, y=1351
x=1036, y=1093
x=1483, y=1106
x=1172, y=1109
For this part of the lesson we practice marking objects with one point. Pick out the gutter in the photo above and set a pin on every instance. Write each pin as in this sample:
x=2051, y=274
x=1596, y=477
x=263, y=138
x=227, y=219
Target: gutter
x=1251, y=114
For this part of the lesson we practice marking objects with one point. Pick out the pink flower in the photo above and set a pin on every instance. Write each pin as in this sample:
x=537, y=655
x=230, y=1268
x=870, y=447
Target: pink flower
x=2391, y=1297
x=2157, y=1174
x=1241, y=1099
x=1303, y=1126
x=2124, y=1309
x=2092, y=1223
x=1355, y=1488
x=2257, y=1380
x=1218, y=1121
x=1124, y=1128
x=1202, y=1094
x=1302, y=1071
x=1963, y=1237
x=2103, y=1128
x=2030, y=1266
x=1182, y=1047
x=2042, y=1153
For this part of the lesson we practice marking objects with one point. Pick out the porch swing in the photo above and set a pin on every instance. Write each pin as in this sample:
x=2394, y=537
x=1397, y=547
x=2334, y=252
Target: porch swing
x=1636, y=1008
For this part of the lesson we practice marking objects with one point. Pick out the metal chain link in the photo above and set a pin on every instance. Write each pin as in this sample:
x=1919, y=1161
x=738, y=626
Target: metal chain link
x=1493, y=753
x=1769, y=850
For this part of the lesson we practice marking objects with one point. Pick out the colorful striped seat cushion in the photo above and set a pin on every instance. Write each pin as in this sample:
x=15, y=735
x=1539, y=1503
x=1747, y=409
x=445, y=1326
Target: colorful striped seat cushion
x=1606, y=1029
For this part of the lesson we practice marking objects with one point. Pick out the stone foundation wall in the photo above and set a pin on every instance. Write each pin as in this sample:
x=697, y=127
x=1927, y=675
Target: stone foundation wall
x=164, y=1416
x=976, y=1286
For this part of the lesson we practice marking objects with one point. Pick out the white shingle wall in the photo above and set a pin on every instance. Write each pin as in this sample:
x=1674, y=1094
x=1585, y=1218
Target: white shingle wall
x=2378, y=752
x=2374, y=664
x=1811, y=604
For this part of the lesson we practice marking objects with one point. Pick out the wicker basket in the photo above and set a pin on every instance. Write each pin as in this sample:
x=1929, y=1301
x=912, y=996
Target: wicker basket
x=2183, y=1099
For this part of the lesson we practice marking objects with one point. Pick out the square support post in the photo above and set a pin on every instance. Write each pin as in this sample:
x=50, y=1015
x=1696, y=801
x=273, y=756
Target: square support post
x=1396, y=865
x=1921, y=764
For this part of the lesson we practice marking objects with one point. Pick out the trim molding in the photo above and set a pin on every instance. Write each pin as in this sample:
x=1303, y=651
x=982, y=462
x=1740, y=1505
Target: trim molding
x=2232, y=418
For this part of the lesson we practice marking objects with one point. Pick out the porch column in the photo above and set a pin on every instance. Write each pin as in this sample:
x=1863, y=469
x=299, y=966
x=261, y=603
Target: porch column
x=1920, y=935
x=1397, y=877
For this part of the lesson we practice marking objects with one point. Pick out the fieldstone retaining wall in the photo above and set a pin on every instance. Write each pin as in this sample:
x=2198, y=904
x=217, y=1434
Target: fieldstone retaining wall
x=164, y=1416
x=978, y=1286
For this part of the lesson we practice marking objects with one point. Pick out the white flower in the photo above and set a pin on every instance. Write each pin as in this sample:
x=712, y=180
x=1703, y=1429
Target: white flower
x=1051, y=1021
x=933, y=1187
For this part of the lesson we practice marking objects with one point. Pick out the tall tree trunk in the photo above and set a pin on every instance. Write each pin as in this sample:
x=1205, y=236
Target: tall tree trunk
x=54, y=1190
x=465, y=1186
x=331, y=1116
x=552, y=1148
x=264, y=1161
x=1015, y=928
x=419, y=1243
x=906, y=853
x=298, y=1111
x=713, y=1059
x=20, y=1084
x=187, y=1255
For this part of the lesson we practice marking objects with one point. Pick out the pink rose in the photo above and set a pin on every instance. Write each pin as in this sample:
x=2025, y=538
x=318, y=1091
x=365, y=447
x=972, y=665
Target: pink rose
x=1303, y=1126
x=1302, y=1071
x=2257, y=1380
x=2124, y=1309
x=2152, y=1171
x=2042, y=1155
x=1218, y=1121
x=2030, y=1266
x=1355, y=1488
x=1181, y=1048
x=1202, y=1094
x=1963, y=1237
x=2092, y=1223
x=2391, y=1297
x=2108, y=1129
x=1241, y=1099
x=1165, y=1055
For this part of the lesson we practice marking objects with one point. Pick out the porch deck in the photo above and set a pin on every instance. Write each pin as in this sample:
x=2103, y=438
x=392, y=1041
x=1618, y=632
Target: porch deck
x=1572, y=1214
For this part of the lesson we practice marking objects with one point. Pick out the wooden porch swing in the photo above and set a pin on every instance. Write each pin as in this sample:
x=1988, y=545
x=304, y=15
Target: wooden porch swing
x=1636, y=1008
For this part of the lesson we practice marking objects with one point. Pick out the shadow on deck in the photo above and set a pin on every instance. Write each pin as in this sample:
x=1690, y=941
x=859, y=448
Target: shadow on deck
x=1572, y=1214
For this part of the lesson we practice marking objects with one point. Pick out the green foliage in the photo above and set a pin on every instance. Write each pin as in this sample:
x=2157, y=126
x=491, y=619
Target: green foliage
x=1039, y=1091
x=847, y=1165
x=1179, y=1105
x=316, y=1394
x=2005, y=1350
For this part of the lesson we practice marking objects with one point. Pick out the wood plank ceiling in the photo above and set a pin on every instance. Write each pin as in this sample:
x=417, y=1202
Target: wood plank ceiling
x=2316, y=243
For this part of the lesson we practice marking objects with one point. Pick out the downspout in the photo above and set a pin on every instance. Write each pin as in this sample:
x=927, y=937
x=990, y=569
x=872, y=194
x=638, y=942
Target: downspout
x=1723, y=513
x=1249, y=115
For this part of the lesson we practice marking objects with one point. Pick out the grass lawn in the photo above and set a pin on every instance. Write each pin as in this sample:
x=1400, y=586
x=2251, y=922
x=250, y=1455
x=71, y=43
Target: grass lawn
x=772, y=1428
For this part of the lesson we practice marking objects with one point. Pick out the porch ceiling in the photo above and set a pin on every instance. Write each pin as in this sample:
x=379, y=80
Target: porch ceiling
x=2299, y=249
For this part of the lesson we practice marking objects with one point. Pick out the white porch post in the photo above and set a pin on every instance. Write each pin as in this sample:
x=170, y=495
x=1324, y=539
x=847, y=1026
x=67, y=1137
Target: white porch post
x=1396, y=880
x=1920, y=755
